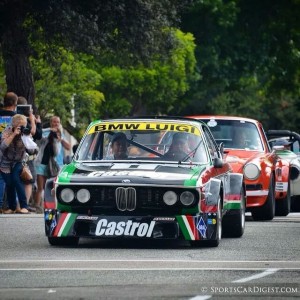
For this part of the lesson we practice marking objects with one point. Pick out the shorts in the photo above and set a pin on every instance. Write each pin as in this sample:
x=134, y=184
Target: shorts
x=41, y=170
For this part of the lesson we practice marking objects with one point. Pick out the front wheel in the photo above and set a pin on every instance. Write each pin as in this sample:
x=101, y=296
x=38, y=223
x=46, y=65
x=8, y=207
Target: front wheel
x=283, y=206
x=63, y=241
x=234, y=222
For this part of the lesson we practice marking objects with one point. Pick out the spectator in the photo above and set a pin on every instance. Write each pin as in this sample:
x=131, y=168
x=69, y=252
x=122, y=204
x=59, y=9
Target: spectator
x=119, y=146
x=13, y=153
x=6, y=113
x=179, y=147
x=49, y=146
x=35, y=126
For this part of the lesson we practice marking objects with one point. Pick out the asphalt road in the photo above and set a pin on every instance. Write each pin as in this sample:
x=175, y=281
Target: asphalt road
x=263, y=264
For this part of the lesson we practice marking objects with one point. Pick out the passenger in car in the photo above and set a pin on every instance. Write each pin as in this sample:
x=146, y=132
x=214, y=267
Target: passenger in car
x=239, y=139
x=179, y=148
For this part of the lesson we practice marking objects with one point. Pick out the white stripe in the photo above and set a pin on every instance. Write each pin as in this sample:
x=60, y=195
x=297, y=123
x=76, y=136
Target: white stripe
x=257, y=193
x=263, y=274
x=64, y=225
x=187, y=225
x=201, y=297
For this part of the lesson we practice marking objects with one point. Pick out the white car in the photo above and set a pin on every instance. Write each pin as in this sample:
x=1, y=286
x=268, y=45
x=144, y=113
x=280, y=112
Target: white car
x=287, y=146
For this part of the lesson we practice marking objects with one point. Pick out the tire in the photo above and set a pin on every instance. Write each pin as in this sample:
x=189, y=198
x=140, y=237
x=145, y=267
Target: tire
x=283, y=206
x=212, y=243
x=295, y=205
x=267, y=211
x=63, y=241
x=234, y=222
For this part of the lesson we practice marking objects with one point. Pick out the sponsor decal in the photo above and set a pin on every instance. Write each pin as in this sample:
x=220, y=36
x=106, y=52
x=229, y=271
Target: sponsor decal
x=202, y=227
x=87, y=218
x=125, y=228
x=144, y=126
x=163, y=219
x=211, y=221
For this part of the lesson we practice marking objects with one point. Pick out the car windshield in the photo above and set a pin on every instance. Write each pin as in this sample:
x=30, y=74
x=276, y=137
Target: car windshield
x=143, y=141
x=236, y=134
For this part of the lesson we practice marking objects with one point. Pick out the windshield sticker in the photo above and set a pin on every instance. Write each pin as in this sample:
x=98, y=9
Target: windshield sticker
x=212, y=123
x=144, y=126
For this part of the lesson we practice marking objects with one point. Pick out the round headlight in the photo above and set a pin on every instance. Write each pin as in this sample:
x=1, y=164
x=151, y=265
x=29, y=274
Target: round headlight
x=67, y=195
x=251, y=171
x=83, y=195
x=170, y=197
x=187, y=198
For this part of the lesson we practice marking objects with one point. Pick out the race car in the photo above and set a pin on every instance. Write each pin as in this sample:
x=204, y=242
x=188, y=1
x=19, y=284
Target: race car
x=286, y=143
x=124, y=182
x=247, y=150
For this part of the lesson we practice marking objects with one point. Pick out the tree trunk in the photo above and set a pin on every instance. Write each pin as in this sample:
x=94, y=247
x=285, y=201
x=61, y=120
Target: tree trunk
x=15, y=52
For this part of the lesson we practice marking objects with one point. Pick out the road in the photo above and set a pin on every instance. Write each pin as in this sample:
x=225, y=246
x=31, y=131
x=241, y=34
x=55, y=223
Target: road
x=263, y=264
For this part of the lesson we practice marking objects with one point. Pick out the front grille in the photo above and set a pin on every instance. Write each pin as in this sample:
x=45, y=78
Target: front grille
x=126, y=198
x=253, y=187
x=138, y=200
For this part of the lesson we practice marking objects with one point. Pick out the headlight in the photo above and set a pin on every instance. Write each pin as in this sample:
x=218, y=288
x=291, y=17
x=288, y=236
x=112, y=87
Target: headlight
x=170, y=197
x=187, y=198
x=67, y=195
x=83, y=195
x=251, y=171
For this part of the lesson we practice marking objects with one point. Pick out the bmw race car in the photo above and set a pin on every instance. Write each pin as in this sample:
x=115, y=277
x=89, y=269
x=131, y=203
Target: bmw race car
x=247, y=149
x=286, y=143
x=147, y=194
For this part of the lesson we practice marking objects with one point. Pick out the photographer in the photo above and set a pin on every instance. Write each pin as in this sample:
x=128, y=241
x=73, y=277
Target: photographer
x=13, y=152
x=34, y=127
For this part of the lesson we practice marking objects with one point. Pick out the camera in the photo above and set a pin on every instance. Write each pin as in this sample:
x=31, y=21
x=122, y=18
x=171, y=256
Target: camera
x=24, y=109
x=25, y=130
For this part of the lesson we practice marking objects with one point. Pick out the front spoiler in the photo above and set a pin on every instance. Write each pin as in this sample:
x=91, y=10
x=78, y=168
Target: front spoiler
x=202, y=226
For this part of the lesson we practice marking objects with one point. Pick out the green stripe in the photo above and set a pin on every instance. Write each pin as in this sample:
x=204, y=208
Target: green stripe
x=66, y=173
x=69, y=225
x=183, y=228
x=234, y=205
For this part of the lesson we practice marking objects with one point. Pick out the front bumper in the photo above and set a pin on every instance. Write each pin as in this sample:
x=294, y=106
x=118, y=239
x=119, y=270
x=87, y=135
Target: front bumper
x=203, y=226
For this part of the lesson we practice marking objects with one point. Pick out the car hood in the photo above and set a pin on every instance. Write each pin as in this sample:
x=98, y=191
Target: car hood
x=131, y=173
x=238, y=158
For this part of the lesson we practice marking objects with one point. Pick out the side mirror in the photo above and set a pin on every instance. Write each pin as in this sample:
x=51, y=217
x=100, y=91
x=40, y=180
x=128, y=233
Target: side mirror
x=218, y=162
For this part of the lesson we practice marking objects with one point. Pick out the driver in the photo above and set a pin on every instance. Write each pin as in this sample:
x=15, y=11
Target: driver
x=179, y=147
x=119, y=146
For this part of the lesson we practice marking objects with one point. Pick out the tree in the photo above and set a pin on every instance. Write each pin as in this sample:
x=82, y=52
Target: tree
x=131, y=27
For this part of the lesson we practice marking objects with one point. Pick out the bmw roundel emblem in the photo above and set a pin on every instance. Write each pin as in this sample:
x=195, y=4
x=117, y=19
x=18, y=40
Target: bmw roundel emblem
x=125, y=180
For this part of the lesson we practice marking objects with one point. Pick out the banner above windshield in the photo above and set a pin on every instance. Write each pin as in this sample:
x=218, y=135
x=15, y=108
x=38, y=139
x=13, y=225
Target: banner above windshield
x=144, y=126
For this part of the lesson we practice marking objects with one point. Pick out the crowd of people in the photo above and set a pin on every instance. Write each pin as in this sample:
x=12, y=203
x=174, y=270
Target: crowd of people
x=23, y=142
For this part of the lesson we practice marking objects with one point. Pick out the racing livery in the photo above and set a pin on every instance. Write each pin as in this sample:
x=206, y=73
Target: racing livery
x=146, y=195
x=247, y=150
x=286, y=143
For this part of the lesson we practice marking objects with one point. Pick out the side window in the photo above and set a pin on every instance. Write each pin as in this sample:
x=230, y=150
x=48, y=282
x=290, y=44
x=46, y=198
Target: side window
x=212, y=146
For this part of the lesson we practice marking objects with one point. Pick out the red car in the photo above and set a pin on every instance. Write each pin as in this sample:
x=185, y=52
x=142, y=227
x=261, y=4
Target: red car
x=265, y=174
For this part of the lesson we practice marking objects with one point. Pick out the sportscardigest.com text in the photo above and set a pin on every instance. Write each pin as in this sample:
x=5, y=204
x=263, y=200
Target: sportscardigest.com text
x=250, y=290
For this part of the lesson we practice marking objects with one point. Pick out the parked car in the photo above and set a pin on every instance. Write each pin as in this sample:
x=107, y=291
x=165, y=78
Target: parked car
x=248, y=151
x=286, y=143
x=150, y=193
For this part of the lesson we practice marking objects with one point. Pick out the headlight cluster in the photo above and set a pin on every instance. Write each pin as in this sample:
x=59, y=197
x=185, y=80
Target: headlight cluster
x=251, y=171
x=67, y=195
x=186, y=198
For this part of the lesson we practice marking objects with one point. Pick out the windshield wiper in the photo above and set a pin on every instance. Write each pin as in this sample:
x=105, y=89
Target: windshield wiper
x=192, y=153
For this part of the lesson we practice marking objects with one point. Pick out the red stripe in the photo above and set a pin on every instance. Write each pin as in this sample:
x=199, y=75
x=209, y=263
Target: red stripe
x=233, y=197
x=49, y=205
x=59, y=224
